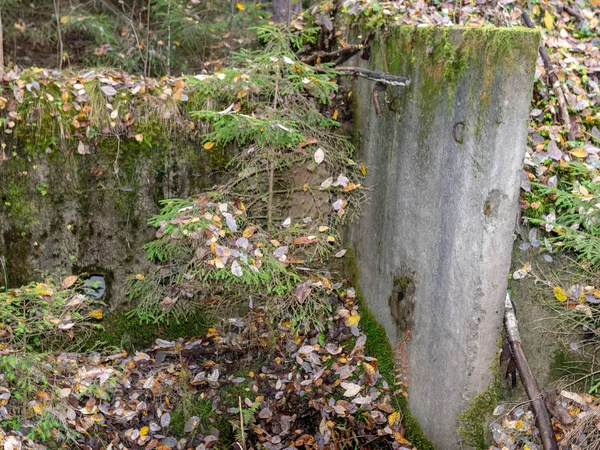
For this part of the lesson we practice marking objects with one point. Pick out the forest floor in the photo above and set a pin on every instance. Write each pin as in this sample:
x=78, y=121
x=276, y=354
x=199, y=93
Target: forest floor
x=251, y=381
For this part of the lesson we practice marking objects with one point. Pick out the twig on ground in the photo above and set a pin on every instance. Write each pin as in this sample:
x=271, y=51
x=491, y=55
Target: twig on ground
x=573, y=12
x=542, y=417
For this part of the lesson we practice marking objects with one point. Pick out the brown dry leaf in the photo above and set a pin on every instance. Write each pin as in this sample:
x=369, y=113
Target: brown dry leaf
x=308, y=141
x=69, y=281
x=579, y=153
x=302, y=240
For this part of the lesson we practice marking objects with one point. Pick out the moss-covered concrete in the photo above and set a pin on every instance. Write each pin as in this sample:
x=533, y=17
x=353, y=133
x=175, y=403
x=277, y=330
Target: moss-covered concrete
x=443, y=157
x=378, y=346
x=63, y=210
x=474, y=425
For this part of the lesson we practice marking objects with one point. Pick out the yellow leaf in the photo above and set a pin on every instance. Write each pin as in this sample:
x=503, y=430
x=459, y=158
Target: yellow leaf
x=353, y=320
x=350, y=187
x=241, y=7
x=560, y=294
x=96, y=314
x=579, y=153
x=336, y=113
x=249, y=231
x=68, y=282
x=144, y=432
x=369, y=369
x=139, y=276
x=548, y=20
x=139, y=137
x=393, y=418
x=400, y=439
x=363, y=170
x=242, y=93
x=209, y=145
x=323, y=228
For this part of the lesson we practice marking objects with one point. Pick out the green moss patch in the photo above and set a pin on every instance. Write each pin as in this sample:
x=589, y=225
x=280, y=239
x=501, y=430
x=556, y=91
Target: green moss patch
x=473, y=422
x=124, y=333
x=379, y=346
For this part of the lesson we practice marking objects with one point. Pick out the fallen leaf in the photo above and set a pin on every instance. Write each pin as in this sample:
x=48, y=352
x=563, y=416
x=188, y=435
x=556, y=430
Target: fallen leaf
x=68, y=281
x=96, y=314
x=353, y=320
x=579, y=153
x=560, y=294
x=319, y=156
x=351, y=389
x=83, y=149
x=249, y=231
x=236, y=269
x=109, y=91
x=548, y=20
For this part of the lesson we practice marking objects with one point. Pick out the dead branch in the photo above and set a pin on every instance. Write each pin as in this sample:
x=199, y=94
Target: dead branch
x=321, y=57
x=542, y=417
x=381, y=77
x=573, y=12
x=553, y=77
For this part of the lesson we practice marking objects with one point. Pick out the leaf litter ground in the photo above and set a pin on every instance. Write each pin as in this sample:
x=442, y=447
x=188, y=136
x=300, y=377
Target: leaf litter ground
x=308, y=390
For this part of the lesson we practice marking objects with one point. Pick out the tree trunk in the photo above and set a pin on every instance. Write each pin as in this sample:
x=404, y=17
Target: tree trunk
x=60, y=40
x=1, y=43
x=284, y=10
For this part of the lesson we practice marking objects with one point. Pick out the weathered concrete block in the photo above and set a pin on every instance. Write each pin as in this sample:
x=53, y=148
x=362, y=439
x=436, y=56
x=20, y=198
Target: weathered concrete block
x=433, y=246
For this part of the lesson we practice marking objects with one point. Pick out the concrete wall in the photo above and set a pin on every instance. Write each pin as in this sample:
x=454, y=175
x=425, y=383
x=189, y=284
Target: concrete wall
x=75, y=213
x=433, y=245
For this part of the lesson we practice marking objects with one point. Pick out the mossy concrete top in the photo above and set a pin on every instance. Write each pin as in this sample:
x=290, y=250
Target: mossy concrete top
x=444, y=159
